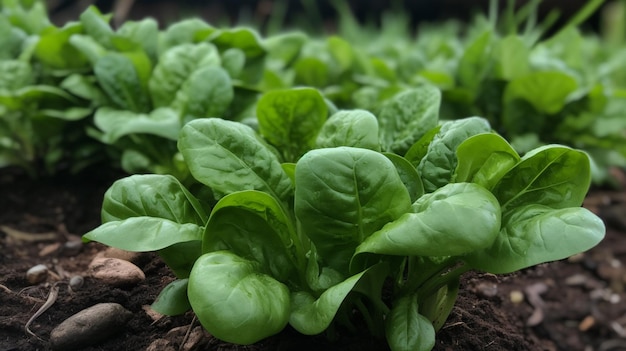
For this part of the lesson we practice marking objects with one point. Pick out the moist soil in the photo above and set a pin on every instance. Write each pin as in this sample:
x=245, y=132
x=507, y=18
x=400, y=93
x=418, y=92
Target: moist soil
x=574, y=304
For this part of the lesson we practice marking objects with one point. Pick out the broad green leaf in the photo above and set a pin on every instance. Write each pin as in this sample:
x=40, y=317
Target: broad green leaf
x=229, y=156
x=176, y=66
x=484, y=159
x=511, y=56
x=455, y=219
x=97, y=26
x=408, y=174
x=233, y=61
x=437, y=307
x=406, y=329
x=535, y=234
x=553, y=175
x=55, y=50
x=145, y=33
x=310, y=315
x=173, y=300
x=547, y=92
x=343, y=195
x=355, y=128
x=163, y=122
x=183, y=32
x=15, y=74
x=244, y=39
x=342, y=52
x=418, y=150
x=152, y=195
x=291, y=119
x=406, y=117
x=284, y=47
x=207, y=92
x=85, y=87
x=119, y=78
x=181, y=256
x=253, y=224
x=234, y=301
x=88, y=47
x=143, y=234
x=438, y=165
x=311, y=71
x=474, y=63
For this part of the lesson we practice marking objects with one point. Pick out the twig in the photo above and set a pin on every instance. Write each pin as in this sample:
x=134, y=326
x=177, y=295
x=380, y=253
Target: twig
x=52, y=297
x=20, y=235
x=7, y=290
x=182, y=343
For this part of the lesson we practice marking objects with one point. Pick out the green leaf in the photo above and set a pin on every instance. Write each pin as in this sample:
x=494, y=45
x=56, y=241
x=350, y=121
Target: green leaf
x=172, y=300
x=408, y=174
x=229, y=156
x=475, y=61
x=176, y=66
x=15, y=74
x=163, y=122
x=55, y=50
x=310, y=315
x=406, y=329
x=143, y=234
x=355, y=128
x=184, y=32
x=253, y=224
x=553, y=175
x=535, y=234
x=343, y=195
x=144, y=33
x=511, y=58
x=152, y=195
x=455, y=219
x=88, y=47
x=291, y=119
x=207, y=92
x=438, y=165
x=245, y=39
x=120, y=79
x=234, y=301
x=484, y=159
x=547, y=92
x=97, y=26
x=406, y=117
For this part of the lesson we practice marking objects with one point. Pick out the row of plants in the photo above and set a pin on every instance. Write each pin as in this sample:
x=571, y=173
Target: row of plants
x=82, y=93
x=315, y=182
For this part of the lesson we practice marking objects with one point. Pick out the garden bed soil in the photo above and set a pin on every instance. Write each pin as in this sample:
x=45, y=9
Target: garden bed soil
x=574, y=304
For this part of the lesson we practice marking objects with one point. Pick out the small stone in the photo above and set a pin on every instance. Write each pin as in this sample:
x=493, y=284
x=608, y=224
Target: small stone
x=116, y=272
x=114, y=252
x=516, y=296
x=76, y=282
x=486, y=289
x=72, y=247
x=37, y=274
x=586, y=323
x=160, y=345
x=89, y=326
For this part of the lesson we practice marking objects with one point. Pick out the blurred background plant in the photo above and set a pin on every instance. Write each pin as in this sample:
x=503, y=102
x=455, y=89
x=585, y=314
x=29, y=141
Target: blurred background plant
x=541, y=72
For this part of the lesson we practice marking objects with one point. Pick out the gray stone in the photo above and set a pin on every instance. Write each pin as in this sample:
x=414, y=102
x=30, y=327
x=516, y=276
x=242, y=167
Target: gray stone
x=89, y=326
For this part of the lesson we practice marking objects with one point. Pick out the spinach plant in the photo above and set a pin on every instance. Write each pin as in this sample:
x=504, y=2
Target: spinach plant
x=354, y=223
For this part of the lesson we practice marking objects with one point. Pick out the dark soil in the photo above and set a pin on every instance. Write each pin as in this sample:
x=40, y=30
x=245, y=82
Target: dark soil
x=574, y=304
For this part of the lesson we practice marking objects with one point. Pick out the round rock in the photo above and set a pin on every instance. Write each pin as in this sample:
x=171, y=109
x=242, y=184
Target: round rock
x=37, y=274
x=89, y=326
x=116, y=272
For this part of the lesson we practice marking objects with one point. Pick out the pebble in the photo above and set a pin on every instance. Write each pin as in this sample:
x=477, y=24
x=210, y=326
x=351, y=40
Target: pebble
x=89, y=326
x=114, y=252
x=160, y=345
x=72, y=247
x=516, y=296
x=76, y=282
x=115, y=272
x=37, y=274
